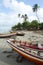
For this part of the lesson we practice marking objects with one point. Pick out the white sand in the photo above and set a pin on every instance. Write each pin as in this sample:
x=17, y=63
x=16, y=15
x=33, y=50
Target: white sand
x=31, y=37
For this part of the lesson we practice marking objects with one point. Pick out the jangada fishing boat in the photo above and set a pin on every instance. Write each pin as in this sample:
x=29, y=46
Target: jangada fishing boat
x=7, y=35
x=11, y=34
x=20, y=34
x=28, y=50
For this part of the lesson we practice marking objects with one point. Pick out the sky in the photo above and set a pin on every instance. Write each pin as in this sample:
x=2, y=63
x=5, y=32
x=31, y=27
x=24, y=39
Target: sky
x=9, y=10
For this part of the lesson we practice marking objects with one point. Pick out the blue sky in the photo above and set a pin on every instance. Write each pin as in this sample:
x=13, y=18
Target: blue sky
x=31, y=2
x=9, y=10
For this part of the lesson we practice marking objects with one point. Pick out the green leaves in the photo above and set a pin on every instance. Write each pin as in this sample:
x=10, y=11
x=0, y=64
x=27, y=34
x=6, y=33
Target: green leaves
x=34, y=24
x=25, y=17
x=35, y=9
x=41, y=26
x=25, y=25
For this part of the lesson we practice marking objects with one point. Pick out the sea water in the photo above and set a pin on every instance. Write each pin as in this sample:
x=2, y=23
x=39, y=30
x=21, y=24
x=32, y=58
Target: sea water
x=4, y=29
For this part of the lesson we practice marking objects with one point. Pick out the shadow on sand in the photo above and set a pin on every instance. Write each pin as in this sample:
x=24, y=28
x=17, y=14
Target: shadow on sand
x=4, y=60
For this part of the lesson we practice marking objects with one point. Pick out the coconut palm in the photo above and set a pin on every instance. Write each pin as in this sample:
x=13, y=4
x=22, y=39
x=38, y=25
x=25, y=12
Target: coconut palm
x=35, y=9
x=25, y=17
x=19, y=15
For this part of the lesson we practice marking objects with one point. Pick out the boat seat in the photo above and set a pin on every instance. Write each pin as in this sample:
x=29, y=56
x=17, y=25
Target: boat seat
x=29, y=44
x=23, y=43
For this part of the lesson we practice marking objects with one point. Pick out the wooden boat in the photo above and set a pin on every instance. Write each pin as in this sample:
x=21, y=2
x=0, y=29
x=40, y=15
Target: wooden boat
x=7, y=35
x=27, y=50
x=20, y=34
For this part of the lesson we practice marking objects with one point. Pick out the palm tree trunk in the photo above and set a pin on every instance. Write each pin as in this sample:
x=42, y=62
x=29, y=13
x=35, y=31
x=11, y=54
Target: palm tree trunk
x=37, y=17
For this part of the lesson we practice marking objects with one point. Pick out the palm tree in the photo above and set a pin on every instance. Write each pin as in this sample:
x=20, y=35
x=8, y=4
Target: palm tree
x=19, y=15
x=25, y=17
x=35, y=9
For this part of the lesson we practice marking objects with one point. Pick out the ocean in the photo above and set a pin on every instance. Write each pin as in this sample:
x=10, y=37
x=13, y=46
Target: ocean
x=5, y=29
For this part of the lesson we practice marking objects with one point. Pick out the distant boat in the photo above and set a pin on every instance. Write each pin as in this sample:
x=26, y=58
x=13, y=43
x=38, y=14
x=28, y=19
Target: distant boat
x=7, y=35
x=20, y=34
x=27, y=50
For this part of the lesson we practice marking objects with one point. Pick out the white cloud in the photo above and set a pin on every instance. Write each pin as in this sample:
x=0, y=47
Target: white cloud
x=32, y=18
x=17, y=6
x=40, y=12
x=8, y=19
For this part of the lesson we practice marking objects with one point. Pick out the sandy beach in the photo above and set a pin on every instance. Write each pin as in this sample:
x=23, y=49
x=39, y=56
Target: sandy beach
x=4, y=46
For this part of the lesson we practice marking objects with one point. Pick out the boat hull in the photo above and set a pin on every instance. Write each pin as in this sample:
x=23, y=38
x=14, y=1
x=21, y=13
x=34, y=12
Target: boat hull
x=7, y=35
x=27, y=56
x=20, y=34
